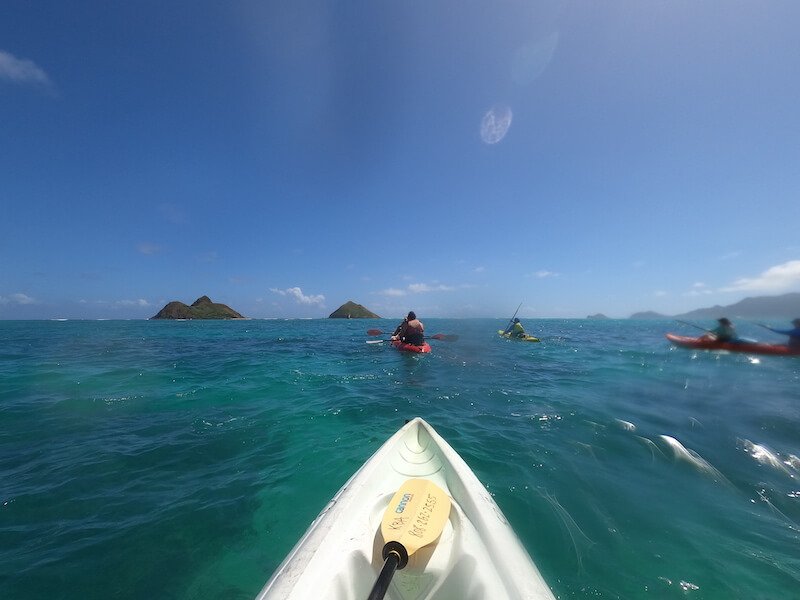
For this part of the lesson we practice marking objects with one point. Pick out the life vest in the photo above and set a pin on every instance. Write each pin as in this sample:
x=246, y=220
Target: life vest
x=413, y=333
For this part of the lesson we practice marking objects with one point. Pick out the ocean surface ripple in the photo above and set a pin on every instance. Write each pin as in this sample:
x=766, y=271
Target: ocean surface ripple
x=184, y=459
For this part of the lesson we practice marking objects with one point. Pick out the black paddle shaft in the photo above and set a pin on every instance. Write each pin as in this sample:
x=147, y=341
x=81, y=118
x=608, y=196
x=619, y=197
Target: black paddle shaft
x=396, y=557
x=512, y=318
x=693, y=325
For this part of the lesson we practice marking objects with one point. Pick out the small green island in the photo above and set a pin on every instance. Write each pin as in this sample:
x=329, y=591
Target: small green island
x=351, y=310
x=597, y=317
x=202, y=308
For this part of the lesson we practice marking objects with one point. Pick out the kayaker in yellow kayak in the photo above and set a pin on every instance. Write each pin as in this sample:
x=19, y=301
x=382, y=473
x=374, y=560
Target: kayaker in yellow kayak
x=515, y=329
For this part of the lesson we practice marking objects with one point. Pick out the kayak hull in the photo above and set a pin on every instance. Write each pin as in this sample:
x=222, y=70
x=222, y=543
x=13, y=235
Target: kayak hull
x=403, y=347
x=747, y=347
x=526, y=338
x=477, y=555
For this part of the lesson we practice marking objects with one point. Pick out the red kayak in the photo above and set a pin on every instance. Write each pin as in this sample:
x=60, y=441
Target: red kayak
x=743, y=346
x=402, y=346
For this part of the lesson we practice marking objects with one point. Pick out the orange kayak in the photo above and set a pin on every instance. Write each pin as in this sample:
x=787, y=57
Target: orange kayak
x=403, y=347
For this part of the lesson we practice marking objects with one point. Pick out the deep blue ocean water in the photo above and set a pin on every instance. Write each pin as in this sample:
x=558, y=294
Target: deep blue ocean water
x=157, y=459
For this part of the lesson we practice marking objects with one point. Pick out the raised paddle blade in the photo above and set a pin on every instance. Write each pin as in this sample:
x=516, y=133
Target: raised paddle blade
x=374, y=332
x=446, y=338
x=415, y=518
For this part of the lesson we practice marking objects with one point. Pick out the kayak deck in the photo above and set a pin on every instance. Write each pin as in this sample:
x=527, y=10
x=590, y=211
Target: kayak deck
x=477, y=556
x=739, y=346
x=526, y=338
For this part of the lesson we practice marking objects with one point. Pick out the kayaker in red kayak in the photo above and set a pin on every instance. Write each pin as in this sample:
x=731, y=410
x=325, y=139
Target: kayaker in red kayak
x=725, y=332
x=794, y=334
x=410, y=331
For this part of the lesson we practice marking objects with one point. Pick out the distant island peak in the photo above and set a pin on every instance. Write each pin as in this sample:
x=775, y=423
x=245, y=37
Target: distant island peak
x=351, y=310
x=202, y=308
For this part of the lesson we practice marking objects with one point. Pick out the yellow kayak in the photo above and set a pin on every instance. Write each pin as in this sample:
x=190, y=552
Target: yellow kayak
x=525, y=338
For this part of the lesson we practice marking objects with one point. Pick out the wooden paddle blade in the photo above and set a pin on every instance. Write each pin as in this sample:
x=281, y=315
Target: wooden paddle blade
x=416, y=515
x=374, y=332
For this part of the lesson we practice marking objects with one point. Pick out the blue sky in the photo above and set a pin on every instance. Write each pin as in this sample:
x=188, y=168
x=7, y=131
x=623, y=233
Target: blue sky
x=455, y=158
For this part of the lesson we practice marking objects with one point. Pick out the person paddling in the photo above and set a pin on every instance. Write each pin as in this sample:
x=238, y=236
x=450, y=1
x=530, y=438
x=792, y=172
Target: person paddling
x=410, y=331
x=794, y=334
x=724, y=332
x=515, y=329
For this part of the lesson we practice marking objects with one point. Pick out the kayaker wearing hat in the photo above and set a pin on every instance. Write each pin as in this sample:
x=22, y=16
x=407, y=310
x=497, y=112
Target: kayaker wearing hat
x=725, y=332
x=515, y=330
x=411, y=330
x=794, y=334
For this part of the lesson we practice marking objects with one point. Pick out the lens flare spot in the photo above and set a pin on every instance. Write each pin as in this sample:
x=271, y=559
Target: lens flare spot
x=495, y=123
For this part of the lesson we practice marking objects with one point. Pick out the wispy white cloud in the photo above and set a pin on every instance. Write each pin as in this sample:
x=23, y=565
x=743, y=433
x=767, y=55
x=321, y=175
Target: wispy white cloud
x=394, y=292
x=418, y=288
x=299, y=296
x=421, y=288
x=542, y=274
x=141, y=302
x=148, y=248
x=21, y=71
x=698, y=289
x=775, y=279
x=18, y=299
x=479, y=269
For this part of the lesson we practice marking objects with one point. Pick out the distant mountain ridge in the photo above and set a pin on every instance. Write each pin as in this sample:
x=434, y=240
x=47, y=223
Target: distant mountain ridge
x=785, y=306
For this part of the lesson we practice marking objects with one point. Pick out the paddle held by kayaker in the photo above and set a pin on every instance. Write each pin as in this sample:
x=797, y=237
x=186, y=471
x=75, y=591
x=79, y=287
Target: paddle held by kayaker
x=724, y=332
x=515, y=329
x=794, y=334
x=410, y=331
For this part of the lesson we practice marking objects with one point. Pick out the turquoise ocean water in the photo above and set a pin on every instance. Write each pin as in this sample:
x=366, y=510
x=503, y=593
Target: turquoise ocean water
x=152, y=459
